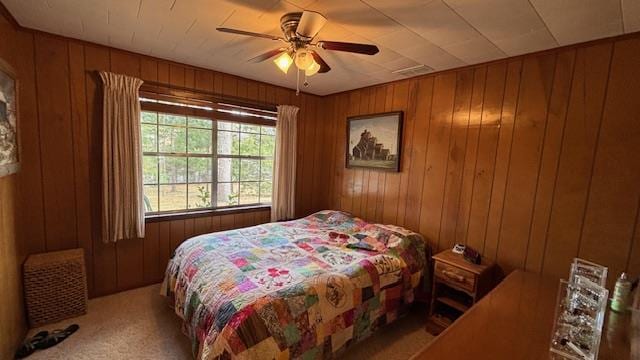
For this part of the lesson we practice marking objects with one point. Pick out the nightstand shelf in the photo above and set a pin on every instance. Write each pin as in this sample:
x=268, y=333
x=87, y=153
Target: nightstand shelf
x=453, y=303
x=457, y=285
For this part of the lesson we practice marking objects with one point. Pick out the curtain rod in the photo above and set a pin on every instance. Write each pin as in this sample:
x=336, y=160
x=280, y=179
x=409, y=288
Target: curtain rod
x=215, y=96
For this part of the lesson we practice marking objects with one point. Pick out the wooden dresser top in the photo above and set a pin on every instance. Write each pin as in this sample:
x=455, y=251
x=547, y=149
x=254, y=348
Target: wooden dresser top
x=514, y=322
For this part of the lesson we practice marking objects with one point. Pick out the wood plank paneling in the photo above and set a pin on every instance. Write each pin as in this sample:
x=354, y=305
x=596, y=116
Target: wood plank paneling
x=510, y=157
x=151, y=253
x=163, y=72
x=528, y=135
x=547, y=174
x=351, y=108
x=339, y=155
x=62, y=147
x=392, y=181
x=305, y=162
x=190, y=78
x=612, y=204
x=227, y=222
x=176, y=74
x=176, y=234
x=148, y=69
x=81, y=161
x=456, y=158
x=424, y=98
x=436, y=159
x=530, y=159
x=164, y=247
x=12, y=321
x=367, y=210
x=359, y=189
x=407, y=149
x=189, y=228
x=404, y=99
x=204, y=80
x=486, y=155
x=325, y=118
x=576, y=157
x=56, y=145
x=21, y=212
x=471, y=154
x=503, y=151
x=202, y=225
x=19, y=52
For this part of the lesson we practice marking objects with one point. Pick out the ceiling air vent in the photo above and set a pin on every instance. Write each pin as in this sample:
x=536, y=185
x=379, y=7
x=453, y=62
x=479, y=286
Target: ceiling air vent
x=414, y=70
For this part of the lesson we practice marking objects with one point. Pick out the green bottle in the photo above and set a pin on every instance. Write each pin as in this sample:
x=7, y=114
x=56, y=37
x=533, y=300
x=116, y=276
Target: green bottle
x=621, y=294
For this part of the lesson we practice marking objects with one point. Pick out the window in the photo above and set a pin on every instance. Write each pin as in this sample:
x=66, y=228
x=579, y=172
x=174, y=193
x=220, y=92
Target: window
x=193, y=162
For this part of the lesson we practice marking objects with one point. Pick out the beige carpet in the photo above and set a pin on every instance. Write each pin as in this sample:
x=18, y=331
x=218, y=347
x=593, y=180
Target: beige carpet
x=138, y=324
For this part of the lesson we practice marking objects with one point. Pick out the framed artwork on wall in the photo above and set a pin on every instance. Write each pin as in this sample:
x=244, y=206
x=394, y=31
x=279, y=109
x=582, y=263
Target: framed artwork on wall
x=374, y=141
x=9, y=151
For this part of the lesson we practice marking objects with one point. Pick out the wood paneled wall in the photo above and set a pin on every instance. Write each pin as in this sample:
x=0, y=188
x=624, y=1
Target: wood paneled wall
x=532, y=160
x=59, y=190
x=12, y=254
x=12, y=251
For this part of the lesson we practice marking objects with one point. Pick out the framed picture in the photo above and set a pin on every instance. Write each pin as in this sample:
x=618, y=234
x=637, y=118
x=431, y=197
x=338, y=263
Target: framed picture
x=9, y=154
x=374, y=141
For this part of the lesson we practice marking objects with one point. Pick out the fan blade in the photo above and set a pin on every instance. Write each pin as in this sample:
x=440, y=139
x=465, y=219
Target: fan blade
x=323, y=65
x=349, y=47
x=310, y=24
x=266, y=56
x=249, y=33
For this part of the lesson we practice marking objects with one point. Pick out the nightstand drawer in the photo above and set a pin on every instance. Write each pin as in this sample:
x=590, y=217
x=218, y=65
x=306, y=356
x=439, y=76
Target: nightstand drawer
x=456, y=277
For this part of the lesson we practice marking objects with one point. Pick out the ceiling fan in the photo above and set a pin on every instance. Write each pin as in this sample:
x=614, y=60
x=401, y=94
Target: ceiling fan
x=299, y=29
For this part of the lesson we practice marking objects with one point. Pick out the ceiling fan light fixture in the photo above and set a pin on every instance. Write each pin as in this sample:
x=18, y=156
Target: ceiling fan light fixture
x=283, y=62
x=304, y=59
x=312, y=69
x=299, y=29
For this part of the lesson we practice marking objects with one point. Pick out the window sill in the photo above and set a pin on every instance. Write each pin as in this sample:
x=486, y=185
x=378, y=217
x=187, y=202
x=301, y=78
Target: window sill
x=205, y=213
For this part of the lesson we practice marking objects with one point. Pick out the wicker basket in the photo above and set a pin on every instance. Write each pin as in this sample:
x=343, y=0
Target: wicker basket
x=55, y=286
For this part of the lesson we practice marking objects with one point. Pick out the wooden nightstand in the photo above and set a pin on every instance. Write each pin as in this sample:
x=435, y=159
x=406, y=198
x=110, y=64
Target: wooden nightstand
x=457, y=285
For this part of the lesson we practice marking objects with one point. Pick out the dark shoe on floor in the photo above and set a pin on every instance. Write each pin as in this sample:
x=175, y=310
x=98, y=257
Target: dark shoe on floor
x=30, y=345
x=56, y=337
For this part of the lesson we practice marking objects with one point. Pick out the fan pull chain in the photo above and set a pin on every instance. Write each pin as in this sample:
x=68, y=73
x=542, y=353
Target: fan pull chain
x=297, y=82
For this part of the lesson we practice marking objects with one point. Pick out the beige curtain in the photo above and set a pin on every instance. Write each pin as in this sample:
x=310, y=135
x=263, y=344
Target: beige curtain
x=122, y=193
x=284, y=172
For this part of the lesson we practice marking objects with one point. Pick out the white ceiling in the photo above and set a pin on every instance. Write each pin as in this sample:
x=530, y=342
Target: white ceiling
x=440, y=34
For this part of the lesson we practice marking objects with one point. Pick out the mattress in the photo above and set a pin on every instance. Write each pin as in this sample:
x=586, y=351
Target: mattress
x=306, y=288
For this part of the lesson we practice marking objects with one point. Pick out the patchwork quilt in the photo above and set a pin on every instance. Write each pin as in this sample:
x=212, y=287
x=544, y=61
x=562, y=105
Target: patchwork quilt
x=299, y=289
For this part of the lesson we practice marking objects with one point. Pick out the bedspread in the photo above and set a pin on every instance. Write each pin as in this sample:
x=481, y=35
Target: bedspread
x=299, y=289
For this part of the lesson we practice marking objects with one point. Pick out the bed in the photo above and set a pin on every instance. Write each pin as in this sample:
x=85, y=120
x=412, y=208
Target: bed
x=306, y=288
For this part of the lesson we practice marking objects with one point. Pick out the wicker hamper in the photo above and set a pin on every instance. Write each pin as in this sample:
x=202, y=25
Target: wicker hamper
x=55, y=286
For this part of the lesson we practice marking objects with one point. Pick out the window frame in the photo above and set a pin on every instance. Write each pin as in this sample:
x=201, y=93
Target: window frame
x=215, y=112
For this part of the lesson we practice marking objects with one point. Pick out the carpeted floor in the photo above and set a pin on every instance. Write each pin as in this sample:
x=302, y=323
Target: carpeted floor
x=138, y=324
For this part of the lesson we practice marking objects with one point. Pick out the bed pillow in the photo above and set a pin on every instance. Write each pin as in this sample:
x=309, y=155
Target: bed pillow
x=366, y=242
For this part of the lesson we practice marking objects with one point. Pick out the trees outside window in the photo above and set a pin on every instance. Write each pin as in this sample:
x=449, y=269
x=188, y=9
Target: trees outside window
x=193, y=163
